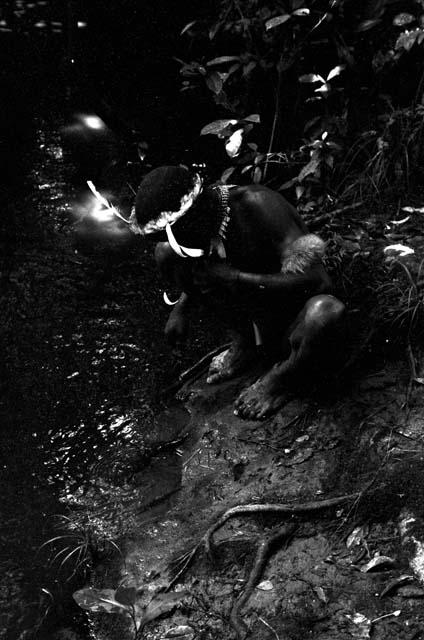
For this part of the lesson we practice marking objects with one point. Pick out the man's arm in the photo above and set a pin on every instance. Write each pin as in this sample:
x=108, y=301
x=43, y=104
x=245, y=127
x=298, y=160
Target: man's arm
x=287, y=283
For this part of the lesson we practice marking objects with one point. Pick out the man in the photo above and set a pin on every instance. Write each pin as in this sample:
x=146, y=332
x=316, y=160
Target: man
x=245, y=249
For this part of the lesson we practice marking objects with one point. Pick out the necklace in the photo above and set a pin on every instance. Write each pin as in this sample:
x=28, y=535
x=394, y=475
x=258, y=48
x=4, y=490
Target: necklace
x=217, y=242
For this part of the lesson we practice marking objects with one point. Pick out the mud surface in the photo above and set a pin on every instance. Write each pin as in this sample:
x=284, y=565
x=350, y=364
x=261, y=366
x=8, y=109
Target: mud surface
x=319, y=582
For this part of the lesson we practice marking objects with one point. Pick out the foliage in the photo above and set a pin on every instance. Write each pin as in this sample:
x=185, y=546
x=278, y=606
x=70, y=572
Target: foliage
x=128, y=600
x=81, y=541
x=334, y=81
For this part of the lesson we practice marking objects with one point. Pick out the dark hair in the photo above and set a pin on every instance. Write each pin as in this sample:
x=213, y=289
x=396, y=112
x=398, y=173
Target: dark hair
x=162, y=190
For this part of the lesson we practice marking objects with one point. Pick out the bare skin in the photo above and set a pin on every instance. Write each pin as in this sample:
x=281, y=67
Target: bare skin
x=266, y=237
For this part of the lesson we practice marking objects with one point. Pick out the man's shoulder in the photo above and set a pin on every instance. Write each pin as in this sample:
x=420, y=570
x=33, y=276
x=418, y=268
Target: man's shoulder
x=261, y=204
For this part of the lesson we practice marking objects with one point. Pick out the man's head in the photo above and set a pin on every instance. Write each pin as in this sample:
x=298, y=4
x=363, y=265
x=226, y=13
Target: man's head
x=163, y=197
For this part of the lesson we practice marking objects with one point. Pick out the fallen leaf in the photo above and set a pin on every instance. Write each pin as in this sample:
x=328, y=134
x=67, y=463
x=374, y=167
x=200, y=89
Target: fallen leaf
x=97, y=600
x=393, y=584
x=300, y=457
x=401, y=249
x=357, y=536
x=161, y=604
x=413, y=209
x=378, y=563
x=181, y=631
x=265, y=585
x=321, y=594
x=362, y=624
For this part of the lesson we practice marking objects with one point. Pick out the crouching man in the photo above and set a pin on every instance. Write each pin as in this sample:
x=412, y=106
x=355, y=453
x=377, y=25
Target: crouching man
x=246, y=251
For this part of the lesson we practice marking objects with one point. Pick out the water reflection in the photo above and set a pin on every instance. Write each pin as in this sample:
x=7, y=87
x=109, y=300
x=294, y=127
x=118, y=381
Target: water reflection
x=83, y=448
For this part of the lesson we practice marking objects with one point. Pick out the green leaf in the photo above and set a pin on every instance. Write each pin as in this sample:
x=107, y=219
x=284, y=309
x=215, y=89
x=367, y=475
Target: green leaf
x=234, y=142
x=311, y=77
x=407, y=40
x=288, y=184
x=402, y=19
x=335, y=71
x=366, y=25
x=324, y=89
x=215, y=82
x=254, y=117
x=217, y=127
x=99, y=600
x=312, y=168
x=301, y=12
x=275, y=22
x=187, y=27
x=222, y=60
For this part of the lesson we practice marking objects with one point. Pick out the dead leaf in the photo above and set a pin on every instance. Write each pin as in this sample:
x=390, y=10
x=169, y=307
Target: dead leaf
x=265, y=585
x=397, y=582
x=357, y=536
x=378, y=563
x=321, y=594
x=180, y=631
x=300, y=457
x=161, y=604
x=362, y=624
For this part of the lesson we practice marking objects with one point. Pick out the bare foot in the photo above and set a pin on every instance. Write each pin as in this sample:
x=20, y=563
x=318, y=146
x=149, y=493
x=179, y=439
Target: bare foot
x=230, y=362
x=262, y=398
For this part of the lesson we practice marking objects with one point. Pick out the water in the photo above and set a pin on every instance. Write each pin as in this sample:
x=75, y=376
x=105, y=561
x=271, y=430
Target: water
x=82, y=333
x=82, y=437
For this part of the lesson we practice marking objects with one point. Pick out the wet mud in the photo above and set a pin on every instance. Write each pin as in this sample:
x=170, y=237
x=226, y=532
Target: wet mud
x=324, y=581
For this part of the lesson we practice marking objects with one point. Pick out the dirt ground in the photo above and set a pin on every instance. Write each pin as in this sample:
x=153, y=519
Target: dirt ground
x=355, y=570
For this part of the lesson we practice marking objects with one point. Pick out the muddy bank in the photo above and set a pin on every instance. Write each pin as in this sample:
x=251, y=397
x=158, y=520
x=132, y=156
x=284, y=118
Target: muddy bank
x=323, y=580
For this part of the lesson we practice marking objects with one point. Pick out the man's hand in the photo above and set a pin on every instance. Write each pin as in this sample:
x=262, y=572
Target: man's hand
x=220, y=273
x=176, y=328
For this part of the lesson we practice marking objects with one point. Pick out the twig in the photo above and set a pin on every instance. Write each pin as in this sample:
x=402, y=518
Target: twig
x=313, y=223
x=194, y=371
x=269, y=627
x=186, y=561
x=262, y=554
x=413, y=375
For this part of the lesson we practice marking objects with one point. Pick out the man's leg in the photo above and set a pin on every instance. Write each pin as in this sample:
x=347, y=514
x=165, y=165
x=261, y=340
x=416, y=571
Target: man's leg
x=229, y=363
x=312, y=337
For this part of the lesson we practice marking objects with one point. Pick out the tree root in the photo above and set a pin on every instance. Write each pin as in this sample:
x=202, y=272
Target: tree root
x=264, y=549
x=285, y=509
x=183, y=562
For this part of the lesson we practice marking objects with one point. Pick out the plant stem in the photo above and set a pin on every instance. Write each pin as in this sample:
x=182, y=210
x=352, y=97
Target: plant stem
x=276, y=115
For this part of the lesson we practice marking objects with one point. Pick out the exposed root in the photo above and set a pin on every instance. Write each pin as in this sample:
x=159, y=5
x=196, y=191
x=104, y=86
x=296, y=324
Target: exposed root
x=264, y=549
x=285, y=509
x=182, y=563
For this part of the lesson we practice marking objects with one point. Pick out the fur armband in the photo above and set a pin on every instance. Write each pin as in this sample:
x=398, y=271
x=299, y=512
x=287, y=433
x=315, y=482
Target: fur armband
x=305, y=252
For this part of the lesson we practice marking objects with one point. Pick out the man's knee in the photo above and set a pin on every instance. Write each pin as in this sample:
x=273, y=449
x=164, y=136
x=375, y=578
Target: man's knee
x=324, y=311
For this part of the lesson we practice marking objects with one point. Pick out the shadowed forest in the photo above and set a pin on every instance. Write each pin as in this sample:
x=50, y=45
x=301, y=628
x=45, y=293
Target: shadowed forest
x=135, y=503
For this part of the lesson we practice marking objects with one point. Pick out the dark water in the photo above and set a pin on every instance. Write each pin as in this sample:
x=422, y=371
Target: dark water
x=81, y=323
